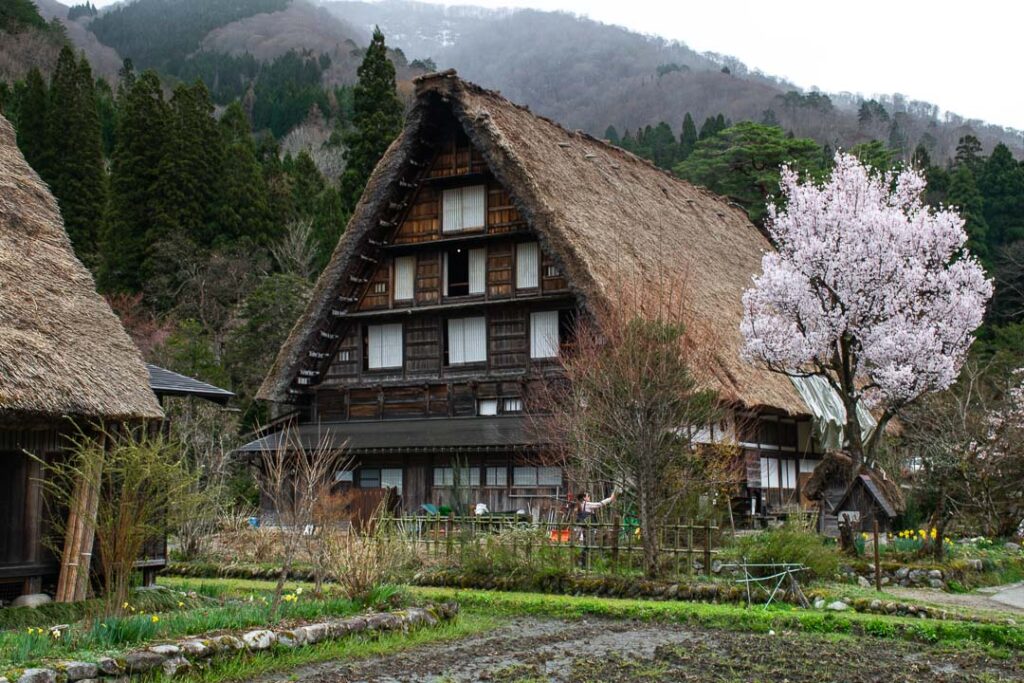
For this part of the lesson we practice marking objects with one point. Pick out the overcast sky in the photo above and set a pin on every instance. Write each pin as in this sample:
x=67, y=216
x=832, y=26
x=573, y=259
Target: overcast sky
x=964, y=56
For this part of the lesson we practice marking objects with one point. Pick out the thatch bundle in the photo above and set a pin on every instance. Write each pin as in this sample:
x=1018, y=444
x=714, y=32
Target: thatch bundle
x=611, y=220
x=62, y=349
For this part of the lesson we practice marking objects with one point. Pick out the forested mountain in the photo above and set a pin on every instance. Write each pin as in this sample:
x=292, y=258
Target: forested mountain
x=589, y=75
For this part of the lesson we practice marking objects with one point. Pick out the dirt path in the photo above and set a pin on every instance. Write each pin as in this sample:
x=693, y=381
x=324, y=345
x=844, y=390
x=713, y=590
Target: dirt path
x=1001, y=599
x=531, y=650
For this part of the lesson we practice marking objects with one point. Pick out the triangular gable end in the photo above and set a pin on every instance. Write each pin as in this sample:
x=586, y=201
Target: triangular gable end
x=403, y=205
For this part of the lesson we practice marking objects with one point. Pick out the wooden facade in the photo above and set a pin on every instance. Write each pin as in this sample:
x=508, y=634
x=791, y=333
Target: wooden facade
x=26, y=562
x=425, y=279
x=482, y=235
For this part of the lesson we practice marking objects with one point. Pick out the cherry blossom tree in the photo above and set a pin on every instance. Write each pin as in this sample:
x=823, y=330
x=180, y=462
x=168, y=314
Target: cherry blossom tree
x=869, y=289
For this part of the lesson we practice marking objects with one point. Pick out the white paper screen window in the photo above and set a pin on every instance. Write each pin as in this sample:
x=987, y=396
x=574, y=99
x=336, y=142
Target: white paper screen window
x=512, y=405
x=544, y=334
x=463, y=208
x=477, y=270
x=807, y=466
x=527, y=267
x=385, y=345
x=445, y=476
x=487, y=406
x=391, y=479
x=467, y=340
x=524, y=476
x=497, y=476
x=549, y=476
x=405, y=274
x=778, y=474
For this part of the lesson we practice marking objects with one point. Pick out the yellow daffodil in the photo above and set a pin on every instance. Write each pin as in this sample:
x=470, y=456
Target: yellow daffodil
x=154, y=618
x=180, y=603
x=124, y=606
x=298, y=591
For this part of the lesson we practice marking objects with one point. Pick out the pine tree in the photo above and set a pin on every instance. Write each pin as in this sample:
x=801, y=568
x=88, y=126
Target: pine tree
x=1001, y=182
x=306, y=185
x=968, y=153
x=74, y=158
x=244, y=209
x=611, y=135
x=329, y=223
x=377, y=119
x=31, y=120
x=687, y=137
x=142, y=135
x=963, y=194
x=707, y=129
x=189, y=186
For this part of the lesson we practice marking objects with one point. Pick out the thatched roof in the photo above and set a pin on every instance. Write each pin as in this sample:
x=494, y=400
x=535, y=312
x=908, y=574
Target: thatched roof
x=63, y=352
x=610, y=219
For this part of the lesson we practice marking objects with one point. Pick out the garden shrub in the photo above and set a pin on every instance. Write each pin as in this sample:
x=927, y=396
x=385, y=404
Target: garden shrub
x=791, y=543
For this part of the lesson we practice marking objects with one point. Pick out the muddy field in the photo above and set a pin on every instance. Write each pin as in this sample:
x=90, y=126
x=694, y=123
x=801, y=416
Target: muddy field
x=532, y=650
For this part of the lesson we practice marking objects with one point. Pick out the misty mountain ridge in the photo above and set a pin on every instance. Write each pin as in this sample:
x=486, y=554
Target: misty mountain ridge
x=582, y=73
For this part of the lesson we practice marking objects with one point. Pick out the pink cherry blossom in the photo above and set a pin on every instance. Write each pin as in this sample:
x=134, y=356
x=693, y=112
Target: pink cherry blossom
x=868, y=287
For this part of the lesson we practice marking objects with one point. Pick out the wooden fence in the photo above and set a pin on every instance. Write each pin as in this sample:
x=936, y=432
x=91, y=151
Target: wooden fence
x=613, y=545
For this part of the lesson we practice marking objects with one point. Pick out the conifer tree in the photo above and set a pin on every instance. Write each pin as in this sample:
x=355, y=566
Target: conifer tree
x=73, y=164
x=964, y=195
x=1001, y=182
x=611, y=135
x=142, y=134
x=707, y=129
x=189, y=187
x=377, y=119
x=968, y=153
x=306, y=185
x=31, y=120
x=687, y=137
x=244, y=209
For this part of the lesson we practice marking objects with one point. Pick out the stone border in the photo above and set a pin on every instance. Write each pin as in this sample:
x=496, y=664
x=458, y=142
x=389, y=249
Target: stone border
x=181, y=656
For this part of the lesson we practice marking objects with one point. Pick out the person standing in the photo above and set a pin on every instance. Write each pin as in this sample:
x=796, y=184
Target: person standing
x=586, y=510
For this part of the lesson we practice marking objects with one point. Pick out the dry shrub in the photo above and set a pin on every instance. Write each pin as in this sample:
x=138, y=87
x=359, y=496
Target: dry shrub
x=360, y=562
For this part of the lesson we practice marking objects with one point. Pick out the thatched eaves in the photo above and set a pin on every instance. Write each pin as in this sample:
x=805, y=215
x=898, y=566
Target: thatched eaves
x=611, y=220
x=63, y=352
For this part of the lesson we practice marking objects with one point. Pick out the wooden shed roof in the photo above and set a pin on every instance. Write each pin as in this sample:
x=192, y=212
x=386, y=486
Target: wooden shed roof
x=610, y=219
x=63, y=352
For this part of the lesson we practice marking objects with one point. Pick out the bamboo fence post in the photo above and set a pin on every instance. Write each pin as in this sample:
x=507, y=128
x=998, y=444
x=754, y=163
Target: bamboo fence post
x=707, y=547
x=878, y=563
x=689, y=548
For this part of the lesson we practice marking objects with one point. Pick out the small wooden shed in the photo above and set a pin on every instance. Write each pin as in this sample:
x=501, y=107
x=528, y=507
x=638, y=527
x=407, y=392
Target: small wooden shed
x=65, y=363
x=866, y=502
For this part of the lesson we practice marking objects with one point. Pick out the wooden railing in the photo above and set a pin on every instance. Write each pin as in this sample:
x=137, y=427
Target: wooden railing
x=614, y=545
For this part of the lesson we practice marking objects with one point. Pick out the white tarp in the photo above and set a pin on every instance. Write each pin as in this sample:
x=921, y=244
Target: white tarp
x=829, y=412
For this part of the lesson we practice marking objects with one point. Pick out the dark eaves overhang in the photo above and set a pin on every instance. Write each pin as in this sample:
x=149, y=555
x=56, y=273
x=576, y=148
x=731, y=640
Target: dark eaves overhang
x=406, y=436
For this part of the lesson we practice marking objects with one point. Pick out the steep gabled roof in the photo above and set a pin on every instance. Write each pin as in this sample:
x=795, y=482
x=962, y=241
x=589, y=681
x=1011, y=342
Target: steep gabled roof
x=609, y=218
x=63, y=352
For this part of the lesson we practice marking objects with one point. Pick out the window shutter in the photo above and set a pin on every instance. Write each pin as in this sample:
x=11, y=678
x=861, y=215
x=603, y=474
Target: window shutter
x=405, y=273
x=456, y=341
x=477, y=270
x=473, y=207
x=373, y=337
x=444, y=274
x=467, y=340
x=451, y=210
x=544, y=334
x=385, y=342
x=527, y=273
x=475, y=330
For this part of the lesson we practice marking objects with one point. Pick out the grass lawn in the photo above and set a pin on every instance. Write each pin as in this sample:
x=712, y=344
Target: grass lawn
x=154, y=617
x=993, y=637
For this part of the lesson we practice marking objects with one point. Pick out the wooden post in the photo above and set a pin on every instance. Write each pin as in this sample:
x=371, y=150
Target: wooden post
x=616, y=529
x=707, y=547
x=878, y=564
